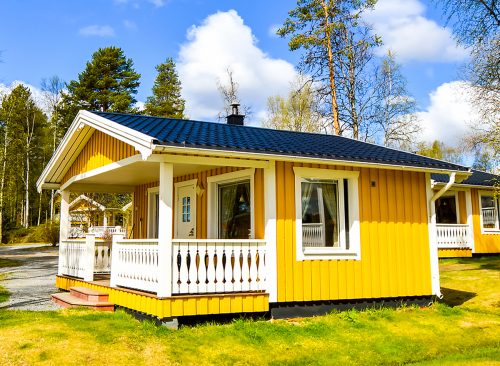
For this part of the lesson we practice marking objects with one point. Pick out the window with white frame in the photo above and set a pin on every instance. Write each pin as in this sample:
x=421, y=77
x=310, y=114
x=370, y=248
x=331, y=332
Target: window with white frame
x=230, y=205
x=490, y=211
x=327, y=214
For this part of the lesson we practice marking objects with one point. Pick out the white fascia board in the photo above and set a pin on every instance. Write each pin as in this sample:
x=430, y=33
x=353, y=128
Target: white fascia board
x=293, y=158
x=141, y=142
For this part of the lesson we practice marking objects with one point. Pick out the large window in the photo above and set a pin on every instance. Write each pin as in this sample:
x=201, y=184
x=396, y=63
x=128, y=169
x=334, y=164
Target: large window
x=230, y=205
x=490, y=211
x=327, y=219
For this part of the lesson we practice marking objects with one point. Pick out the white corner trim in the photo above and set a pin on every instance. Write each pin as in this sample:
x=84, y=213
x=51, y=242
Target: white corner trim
x=270, y=231
x=320, y=253
x=433, y=247
x=212, y=204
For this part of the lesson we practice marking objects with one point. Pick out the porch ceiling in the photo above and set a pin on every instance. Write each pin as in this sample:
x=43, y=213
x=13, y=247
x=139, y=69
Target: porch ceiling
x=125, y=178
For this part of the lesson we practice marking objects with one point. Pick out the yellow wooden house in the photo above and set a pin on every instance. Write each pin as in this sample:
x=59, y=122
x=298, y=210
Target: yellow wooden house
x=467, y=215
x=232, y=219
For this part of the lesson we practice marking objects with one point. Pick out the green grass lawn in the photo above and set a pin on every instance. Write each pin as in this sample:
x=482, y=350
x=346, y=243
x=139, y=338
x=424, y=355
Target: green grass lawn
x=464, y=329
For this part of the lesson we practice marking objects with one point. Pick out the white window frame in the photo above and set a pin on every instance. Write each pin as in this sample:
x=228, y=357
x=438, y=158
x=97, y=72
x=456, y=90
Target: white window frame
x=322, y=253
x=151, y=213
x=213, y=183
x=177, y=210
x=484, y=230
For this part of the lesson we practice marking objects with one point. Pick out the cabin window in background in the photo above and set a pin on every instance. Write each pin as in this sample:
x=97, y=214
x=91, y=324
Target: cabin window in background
x=490, y=212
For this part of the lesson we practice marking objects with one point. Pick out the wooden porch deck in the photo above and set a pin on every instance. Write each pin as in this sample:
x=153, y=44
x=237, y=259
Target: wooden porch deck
x=175, y=306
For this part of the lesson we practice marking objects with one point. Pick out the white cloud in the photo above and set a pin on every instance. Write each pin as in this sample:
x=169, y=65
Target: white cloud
x=449, y=115
x=223, y=41
x=97, y=30
x=130, y=24
x=410, y=35
x=36, y=93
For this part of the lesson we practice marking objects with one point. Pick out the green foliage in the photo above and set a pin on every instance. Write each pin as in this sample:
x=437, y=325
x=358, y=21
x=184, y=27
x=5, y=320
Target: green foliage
x=438, y=150
x=108, y=83
x=166, y=100
x=296, y=112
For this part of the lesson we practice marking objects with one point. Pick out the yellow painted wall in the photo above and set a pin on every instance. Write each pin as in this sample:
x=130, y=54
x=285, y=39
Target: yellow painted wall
x=395, y=259
x=483, y=243
x=100, y=150
x=462, y=208
x=454, y=253
x=141, y=198
x=178, y=305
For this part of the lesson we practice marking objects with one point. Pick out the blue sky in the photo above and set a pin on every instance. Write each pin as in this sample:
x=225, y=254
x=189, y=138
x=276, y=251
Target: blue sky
x=55, y=37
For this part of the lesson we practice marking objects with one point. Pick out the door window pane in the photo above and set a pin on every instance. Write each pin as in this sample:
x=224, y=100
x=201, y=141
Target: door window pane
x=234, y=210
x=186, y=209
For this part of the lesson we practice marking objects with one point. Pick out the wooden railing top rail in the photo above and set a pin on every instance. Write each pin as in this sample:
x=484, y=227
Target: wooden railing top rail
x=220, y=241
x=137, y=241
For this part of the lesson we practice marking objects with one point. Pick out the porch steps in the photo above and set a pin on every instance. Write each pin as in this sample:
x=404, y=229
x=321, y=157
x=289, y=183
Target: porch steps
x=83, y=297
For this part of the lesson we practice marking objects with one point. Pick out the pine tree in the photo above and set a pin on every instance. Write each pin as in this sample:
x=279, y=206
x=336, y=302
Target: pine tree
x=166, y=100
x=108, y=83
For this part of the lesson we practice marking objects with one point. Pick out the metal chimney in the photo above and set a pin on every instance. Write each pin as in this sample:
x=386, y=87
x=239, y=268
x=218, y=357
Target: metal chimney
x=235, y=118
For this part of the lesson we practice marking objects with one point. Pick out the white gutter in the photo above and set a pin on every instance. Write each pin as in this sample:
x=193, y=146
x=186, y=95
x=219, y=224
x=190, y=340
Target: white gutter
x=436, y=287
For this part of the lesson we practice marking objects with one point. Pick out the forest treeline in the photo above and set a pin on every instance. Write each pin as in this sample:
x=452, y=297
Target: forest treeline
x=343, y=89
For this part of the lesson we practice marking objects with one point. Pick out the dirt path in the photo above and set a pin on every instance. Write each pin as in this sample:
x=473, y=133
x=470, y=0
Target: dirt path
x=31, y=283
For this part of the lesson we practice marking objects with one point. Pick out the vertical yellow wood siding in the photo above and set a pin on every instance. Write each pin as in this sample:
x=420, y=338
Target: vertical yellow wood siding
x=394, y=241
x=462, y=208
x=454, y=253
x=483, y=243
x=141, y=202
x=100, y=150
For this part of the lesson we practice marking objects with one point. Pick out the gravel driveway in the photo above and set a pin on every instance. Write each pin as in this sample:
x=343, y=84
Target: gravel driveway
x=31, y=283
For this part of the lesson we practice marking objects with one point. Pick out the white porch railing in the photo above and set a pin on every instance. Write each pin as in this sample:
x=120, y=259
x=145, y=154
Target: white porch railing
x=313, y=235
x=453, y=236
x=135, y=264
x=100, y=230
x=84, y=257
x=102, y=261
x=218, y=266
x=72, y=254
x=489, y=216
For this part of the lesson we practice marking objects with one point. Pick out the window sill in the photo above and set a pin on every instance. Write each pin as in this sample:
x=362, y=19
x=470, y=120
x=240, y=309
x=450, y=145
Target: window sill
x=327, y=254
x=490, y=231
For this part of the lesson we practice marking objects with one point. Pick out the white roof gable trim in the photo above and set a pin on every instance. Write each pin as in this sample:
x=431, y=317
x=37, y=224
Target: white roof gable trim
x=83, y=197
x=66, y=152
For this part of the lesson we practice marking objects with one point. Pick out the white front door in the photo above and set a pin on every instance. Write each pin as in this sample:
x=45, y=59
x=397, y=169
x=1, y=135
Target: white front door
x=185, y=208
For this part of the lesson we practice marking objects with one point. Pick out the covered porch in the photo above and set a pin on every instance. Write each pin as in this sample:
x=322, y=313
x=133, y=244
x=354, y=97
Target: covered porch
x=202, y=230
x=454, y=227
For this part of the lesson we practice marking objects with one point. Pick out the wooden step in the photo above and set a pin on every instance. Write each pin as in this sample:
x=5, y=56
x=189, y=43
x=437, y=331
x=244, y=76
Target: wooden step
x=67, y=300
x=88, y=294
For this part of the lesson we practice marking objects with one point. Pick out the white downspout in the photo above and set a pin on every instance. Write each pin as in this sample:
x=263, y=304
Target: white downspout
x=436, y=288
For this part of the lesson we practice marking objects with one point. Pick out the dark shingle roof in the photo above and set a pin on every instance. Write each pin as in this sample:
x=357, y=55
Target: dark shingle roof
x=478, y=178
x=221, y=136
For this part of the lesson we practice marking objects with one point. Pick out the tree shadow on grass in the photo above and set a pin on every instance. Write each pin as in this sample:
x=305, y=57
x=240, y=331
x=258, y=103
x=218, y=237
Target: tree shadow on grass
x=453, y=297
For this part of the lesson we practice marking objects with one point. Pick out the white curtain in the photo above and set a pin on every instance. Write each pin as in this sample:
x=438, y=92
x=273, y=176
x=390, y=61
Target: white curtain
x=307, y=190
x=330, y=201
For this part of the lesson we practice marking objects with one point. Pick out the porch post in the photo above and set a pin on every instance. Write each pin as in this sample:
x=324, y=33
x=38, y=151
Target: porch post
x=64, y=216
x=468, y=210
x=89, y=259
x=115, y=263
x=165, y=230
x=270, y=230
x=63, y=231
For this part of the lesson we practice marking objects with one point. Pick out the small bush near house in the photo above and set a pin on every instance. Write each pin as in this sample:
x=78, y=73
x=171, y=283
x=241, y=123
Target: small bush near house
x=45, y=233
